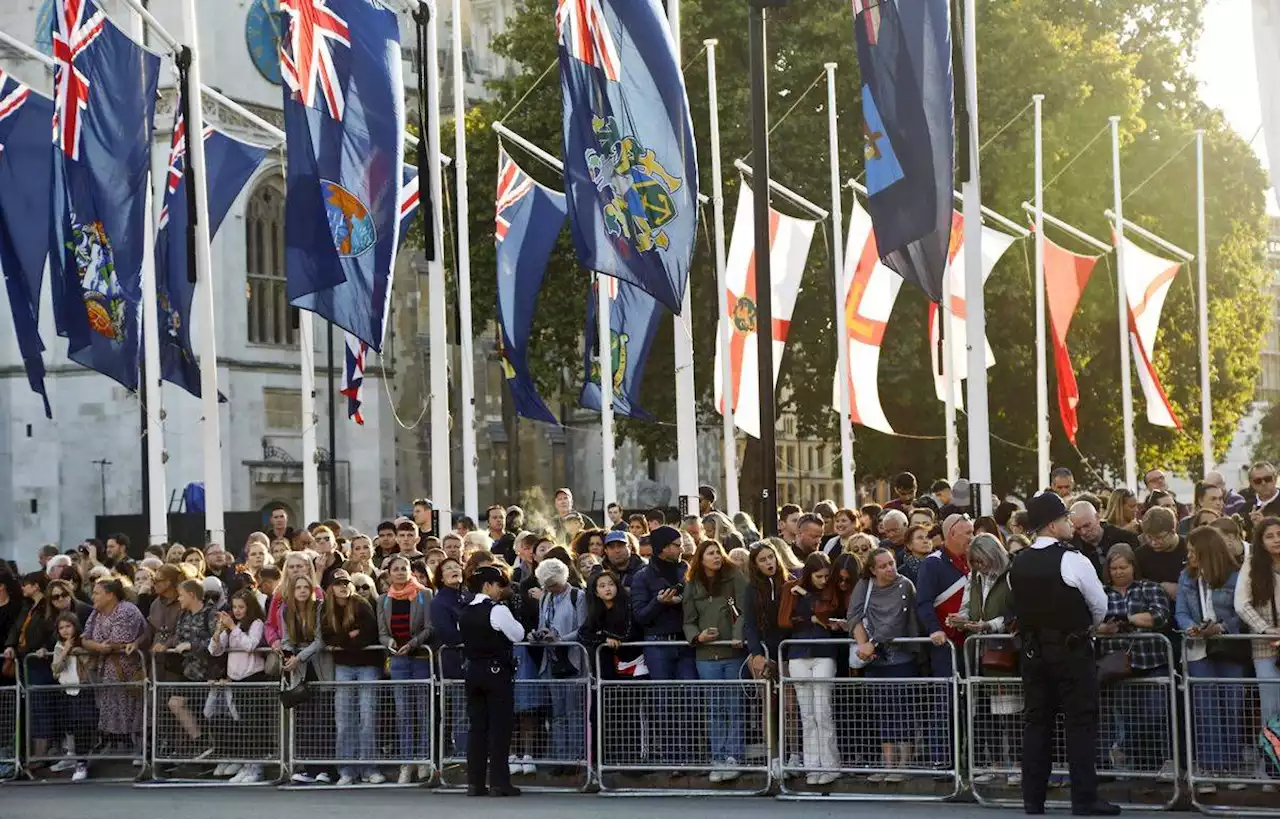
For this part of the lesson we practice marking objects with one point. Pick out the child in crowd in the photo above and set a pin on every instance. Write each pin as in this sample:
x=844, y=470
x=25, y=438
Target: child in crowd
x=241, y=723
x=74, y=708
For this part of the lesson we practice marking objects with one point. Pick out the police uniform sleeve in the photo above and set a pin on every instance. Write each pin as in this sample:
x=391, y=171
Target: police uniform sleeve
x=501, y=619
x=1079, y=573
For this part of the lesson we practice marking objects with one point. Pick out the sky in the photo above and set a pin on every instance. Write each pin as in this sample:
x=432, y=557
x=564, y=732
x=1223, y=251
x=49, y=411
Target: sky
x=1229, y=80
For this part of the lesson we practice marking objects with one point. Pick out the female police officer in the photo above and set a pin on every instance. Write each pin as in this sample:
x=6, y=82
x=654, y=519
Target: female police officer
x=488, y=631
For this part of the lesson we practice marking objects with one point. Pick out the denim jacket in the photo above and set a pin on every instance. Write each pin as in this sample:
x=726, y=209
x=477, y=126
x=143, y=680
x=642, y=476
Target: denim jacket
x=1187, y=609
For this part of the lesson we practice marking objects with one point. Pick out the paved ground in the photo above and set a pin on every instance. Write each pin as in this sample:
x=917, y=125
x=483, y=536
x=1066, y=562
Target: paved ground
x=90, y=801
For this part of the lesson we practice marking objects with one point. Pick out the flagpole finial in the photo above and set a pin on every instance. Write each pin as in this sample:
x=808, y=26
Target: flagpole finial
x=1114, y=118
x=1038, y=97
x=830, y=66
x=711, y=41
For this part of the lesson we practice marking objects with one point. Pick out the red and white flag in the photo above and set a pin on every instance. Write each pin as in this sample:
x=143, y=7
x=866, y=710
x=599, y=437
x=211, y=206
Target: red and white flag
x=789, y=241
x=1147, y=279
x=994, y=245
x=870, y=290
x=1065, y=277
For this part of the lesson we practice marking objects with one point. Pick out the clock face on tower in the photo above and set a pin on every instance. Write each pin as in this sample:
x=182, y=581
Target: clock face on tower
x=262, y=36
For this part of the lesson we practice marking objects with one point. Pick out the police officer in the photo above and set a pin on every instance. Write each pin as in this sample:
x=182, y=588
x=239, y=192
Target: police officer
x=488, y=631
x=1058, y=600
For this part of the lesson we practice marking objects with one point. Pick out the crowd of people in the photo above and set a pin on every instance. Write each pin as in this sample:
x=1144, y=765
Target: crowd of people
x=886, y=591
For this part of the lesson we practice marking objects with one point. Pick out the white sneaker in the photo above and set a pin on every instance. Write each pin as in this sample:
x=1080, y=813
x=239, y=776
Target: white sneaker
x=717, y=775
x=239, y=775
x=983, y=779
x=81, y=774
x=375, y=778
x=250, y=774
x=323, y=778
x=1167, y=771
x=811, y=779
x=513, y=765
x=794, y=762
x=527, y=767
x=424, y=773
x=406, y=775
x=827, y=778
x=301, y=778
x=345, y=780
x=876, y=777
x=65, y=764
x=730, y=774
x=894, y=779
x=220, y=769
x=1206, y=788
x=1015, y=780
x=233, y=768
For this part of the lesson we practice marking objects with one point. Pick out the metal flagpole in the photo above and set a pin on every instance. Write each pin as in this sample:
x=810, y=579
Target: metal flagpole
x=310, y=469
x=441, y=471
x=976, y=322
x=1042, y=366
x=1122, y=308
x=686, y=393
x=1206, y=402
x=732, y=503
x=948, y=379
x=604, y=351
x=331, y=394
x=467, y=372
x=849, y=493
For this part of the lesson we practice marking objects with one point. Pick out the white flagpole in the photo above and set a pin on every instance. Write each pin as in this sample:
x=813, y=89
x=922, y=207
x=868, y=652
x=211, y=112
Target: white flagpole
x=948, y=378
x=310, y=470
x=208, y=351
x=441, y=472
x=1122, y=308
x=686, y=393
x=604, y=350
x=1042, y=366
x=158, y=520
x=732, y=502
x=470, y=463
x=1206, y=402
x=976, y=323
x=849, y=492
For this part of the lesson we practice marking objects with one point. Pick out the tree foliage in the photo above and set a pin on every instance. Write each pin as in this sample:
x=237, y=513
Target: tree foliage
x=1091, y=59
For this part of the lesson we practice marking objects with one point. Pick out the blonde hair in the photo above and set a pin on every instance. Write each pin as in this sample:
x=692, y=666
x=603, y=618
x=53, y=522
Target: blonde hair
x=300, y=620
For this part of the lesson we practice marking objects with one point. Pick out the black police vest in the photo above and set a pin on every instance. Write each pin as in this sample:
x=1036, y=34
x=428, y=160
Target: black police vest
x=1041, y=600
x=480, y=640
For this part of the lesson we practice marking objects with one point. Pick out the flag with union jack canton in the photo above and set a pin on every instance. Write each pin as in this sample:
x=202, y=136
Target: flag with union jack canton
x=630, y=163
x=904, y=59
x=104, y=101
x=527, y=223
x=633, y=323
x=26, y=173
x=344, y=117
x=353, y=377
x=229, y=163
x=410, y=198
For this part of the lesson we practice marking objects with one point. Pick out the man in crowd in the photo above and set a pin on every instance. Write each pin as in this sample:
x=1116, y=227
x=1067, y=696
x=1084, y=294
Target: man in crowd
x=893, y=525
x=809, y=530
x=1207, y=497
x=496, y=519
x=1233, y=501
x=421, y=518
x=1157, y=480
x=563, y=500
x=1163, y=553
x=826, y=511
x=619, y=559
x=706, y=500
x=407, y=536
x=280, y=524
x=47, y=551
x=904, y=491
x=386, y=543
x=654, y=518
x=1261, y=498
x=1062, y=482
x=940, y=590
x=617, y=518
x=1094, y=537
x=504, y=536
x=961, y=500
x=637, y=526
x=692, y=526
x=117, y=557
x=788, y=521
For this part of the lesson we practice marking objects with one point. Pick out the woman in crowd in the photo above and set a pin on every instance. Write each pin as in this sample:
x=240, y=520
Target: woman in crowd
x=144, y=588
x=305, y=660
x=404, y=626
x=561, y=612
x=714, y=591
x=72, y=706
x=760, y=626
x=608, y=626
x=195, y=558
x=1205, y=608
x=524, y=605
x=432, y=557
x=196, y=622
x=1135, y=606
x=256, y=555
x=248, y=721
x=917, y=548
x=1122, y=509
x=817, y=600
x=716, y=525
x=1257, y=601
x=986, y=525
x=30, y=646
x=296, y=565
x=882, y=608
x=1016, y=543
x=365, y=586
x=588, y=541
x=787, y=560
x=1160, y=497
x=846, y=526
x=349, y=626
x=446, y=640
x=860, y=545
x=1230, y=530
x=869, y=518
x=114, y=626
x=280, y=549
x=451, y=544
x=746, y=527
x=175, y=553
x=361, y=560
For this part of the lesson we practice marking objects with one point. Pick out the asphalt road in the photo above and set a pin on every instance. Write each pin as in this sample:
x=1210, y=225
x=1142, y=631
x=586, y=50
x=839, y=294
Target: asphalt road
x=91, y=801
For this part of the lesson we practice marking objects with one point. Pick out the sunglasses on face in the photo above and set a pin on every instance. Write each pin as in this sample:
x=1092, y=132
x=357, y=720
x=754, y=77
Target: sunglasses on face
x=1264, y=479
x=362, y=587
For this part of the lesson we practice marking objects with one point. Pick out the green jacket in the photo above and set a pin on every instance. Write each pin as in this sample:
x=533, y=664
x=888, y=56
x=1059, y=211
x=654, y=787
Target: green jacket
x=703, y=611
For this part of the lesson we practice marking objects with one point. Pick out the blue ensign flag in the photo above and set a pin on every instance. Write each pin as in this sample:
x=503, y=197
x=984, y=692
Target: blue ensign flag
x=904, y=56
x=630, y=163
x=104, y=100
x=409, y=199
x=633, y=322
x=344, y=117
x=229, y=164
x=529, y=218
x=26, y=173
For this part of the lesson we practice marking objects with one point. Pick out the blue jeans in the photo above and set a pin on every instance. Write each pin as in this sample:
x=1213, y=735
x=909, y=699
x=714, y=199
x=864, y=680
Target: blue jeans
x=669, y=662
x=413, y=708
x=673, y=706
x=347, y=715
x=724, y=716
x=938, y=702
x=1140, y=719
x=568, y=726
x=1268, y=675
x=1217, y=716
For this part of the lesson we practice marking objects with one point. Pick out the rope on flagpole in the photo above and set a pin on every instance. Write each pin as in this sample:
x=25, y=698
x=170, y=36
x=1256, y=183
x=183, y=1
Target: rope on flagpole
x=1157, y=171
x=1005, y=127
x=1105, y=129
x=528, y=91
x=822, y=75
x=696, y=57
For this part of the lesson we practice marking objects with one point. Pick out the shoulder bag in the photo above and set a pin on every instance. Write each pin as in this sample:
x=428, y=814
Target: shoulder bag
x=855, y=661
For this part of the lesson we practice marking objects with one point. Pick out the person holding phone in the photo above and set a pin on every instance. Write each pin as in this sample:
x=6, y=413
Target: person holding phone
x=816, y=615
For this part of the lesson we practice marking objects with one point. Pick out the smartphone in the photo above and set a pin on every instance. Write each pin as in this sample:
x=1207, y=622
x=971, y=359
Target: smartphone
x=838, y=622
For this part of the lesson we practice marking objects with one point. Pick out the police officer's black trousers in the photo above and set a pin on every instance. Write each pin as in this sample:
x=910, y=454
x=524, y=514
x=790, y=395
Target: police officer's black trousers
x=491, y=712
x=1059, y=678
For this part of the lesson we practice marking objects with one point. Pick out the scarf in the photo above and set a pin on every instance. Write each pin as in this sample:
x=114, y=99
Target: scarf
x=408, y=591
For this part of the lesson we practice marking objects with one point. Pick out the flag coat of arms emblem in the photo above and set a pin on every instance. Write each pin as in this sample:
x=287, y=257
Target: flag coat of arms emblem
x=904, y=59
x=229, y=164
x=104, y=101
x=789, y=240
x=1147, y=279
x=1065, y=276
x=26, y=175
x=527, y=223
x=344, y=120
x=630, y=162
x=633, y=323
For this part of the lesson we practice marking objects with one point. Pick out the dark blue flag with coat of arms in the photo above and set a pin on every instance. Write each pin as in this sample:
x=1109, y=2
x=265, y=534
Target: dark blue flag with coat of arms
x=633, y=323
x=26, y=173
x=528, y=221
x=904, y=59
x=630, y=163
x=104, y=101
x=344, y=118
x=229, y=164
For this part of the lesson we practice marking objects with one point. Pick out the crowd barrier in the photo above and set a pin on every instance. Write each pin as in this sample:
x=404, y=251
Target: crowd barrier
x=868, y=737
x=1224, y=712
x=552, y=737
x=660, y=736
x=10, y=739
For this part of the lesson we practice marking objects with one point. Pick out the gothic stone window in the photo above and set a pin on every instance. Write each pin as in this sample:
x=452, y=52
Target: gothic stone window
x=271, y=319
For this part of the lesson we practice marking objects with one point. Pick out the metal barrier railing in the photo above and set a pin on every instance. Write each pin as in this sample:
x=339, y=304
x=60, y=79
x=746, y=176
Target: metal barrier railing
x=648, y=742
x=551, y=742
x=1138, y=747
x=10, y=739
x=105, y=716
x=868, y=737
x=363, y=726
x=204, y=731
x=1225, y=710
